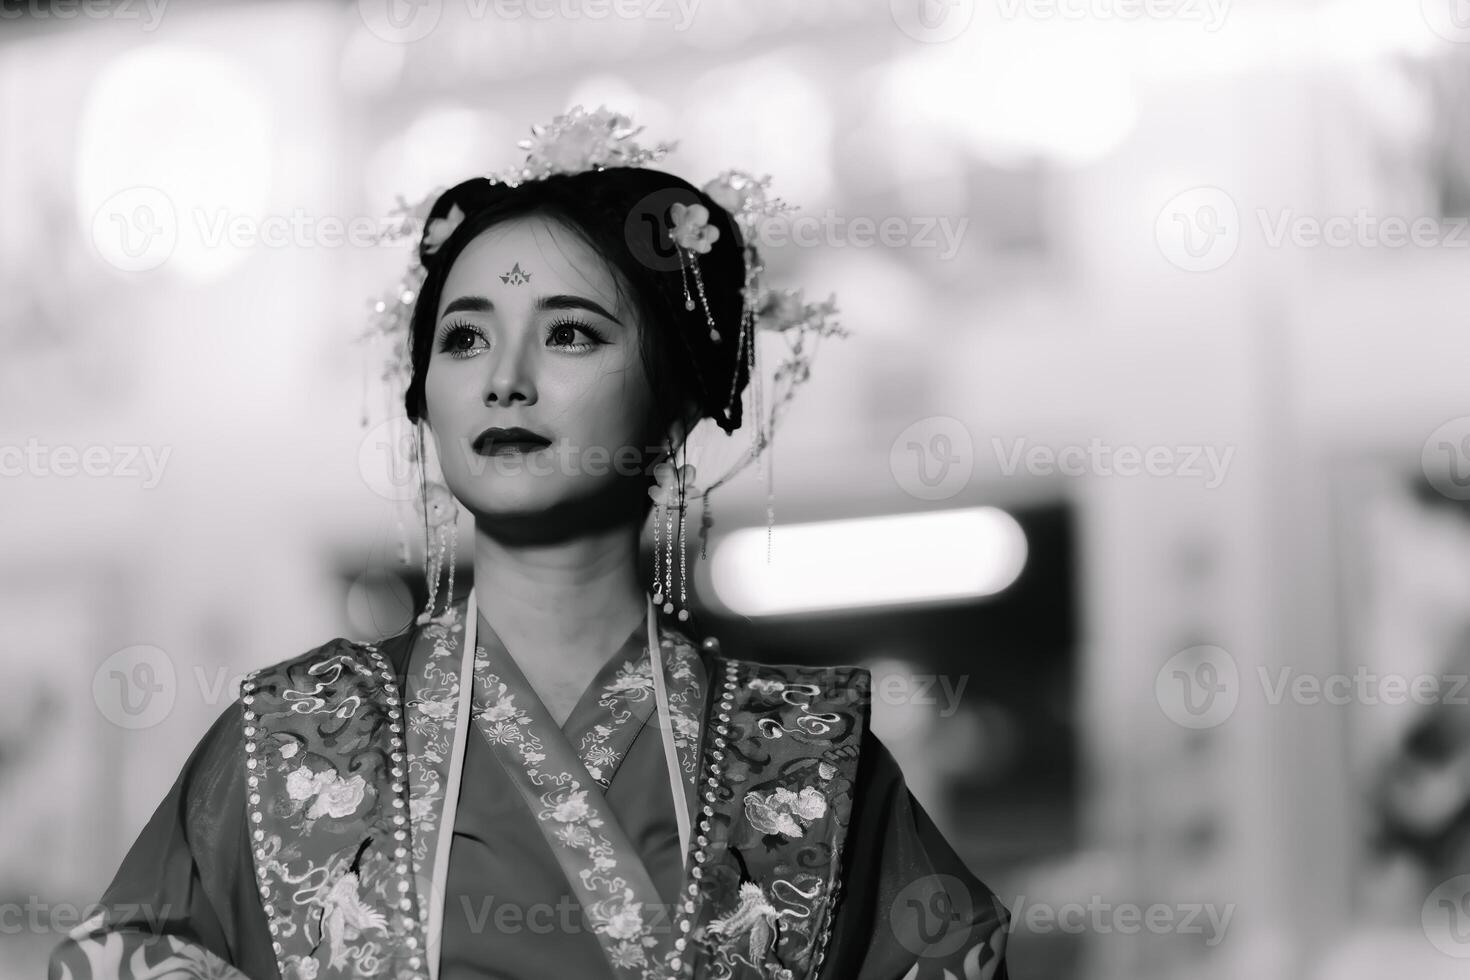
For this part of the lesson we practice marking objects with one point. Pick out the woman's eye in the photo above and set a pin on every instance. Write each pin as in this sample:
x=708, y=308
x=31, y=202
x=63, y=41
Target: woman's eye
x=461, y=341
x=564, y=333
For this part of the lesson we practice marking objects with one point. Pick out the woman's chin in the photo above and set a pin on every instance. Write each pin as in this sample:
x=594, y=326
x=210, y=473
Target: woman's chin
x=512, y=496
x=523, y=497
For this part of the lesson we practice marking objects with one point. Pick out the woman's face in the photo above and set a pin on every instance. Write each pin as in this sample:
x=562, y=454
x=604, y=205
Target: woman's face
x=530, y=335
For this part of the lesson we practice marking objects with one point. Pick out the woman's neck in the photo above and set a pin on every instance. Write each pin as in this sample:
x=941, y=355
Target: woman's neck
x=561, y=608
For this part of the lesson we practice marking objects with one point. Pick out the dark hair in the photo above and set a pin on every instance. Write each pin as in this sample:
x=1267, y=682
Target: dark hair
x=623, y=214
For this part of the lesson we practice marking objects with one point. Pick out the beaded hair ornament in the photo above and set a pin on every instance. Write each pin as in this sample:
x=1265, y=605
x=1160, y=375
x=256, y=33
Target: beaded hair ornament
x=575, y=142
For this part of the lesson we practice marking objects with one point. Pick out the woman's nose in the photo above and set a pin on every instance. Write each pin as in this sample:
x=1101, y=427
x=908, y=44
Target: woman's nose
x=512, y=371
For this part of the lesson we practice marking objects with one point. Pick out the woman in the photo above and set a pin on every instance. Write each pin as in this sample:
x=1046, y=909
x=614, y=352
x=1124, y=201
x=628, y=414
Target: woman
x=350, y=815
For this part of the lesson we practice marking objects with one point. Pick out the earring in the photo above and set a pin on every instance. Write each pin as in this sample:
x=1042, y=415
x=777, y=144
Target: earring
x=441, y=545
x=669, y=496
x=440, y=513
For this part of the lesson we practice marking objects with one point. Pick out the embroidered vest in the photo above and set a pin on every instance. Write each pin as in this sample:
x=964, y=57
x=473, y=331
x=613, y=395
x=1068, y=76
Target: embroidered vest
x=332, y=834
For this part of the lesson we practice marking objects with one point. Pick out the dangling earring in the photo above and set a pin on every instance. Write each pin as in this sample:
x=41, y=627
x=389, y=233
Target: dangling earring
x=683, y=552
x=441, y=539
x=669, y=495
x=441, y=546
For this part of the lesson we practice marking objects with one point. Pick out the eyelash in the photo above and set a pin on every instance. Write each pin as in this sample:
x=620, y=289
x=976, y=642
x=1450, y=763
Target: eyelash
x=455, y=327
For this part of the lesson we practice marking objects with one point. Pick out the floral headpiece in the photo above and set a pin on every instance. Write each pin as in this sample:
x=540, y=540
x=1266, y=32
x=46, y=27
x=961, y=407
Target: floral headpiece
x=578, y=141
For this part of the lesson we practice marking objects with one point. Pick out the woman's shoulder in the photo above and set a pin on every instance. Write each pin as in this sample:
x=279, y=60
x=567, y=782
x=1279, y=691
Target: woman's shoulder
x=331, y=659
x=221, y=743
x=337, y=646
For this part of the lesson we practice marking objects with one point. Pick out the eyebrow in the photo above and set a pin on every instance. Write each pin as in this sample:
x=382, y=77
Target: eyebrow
x=560, y=301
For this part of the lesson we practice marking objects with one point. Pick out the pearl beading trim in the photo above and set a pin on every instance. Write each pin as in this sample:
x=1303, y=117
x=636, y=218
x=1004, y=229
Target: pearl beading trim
x=706, y=812
x=411, y=927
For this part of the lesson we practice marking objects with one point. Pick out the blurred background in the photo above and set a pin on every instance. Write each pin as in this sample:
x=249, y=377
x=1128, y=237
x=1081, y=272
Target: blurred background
x=1142, y=484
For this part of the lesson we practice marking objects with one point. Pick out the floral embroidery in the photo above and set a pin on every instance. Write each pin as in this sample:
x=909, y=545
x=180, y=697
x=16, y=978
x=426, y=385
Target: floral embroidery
x=574, y=807
x=633, y=684
x=335, y=796
x=596, y=757
x=613, y=909
x=784, y=812
x=753, y=902
x=766, y=685
x=432, y=699
x=635, y=679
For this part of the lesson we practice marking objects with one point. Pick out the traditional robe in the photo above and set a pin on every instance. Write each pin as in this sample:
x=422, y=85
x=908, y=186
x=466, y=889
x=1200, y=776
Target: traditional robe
x=299, y=841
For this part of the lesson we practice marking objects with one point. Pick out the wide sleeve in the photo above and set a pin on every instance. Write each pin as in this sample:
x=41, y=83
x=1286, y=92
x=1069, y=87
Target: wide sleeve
x=182, y=903
x=909, y=907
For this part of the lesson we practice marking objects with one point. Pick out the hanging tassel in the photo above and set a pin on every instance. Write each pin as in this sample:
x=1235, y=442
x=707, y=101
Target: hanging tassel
x=658, y=519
